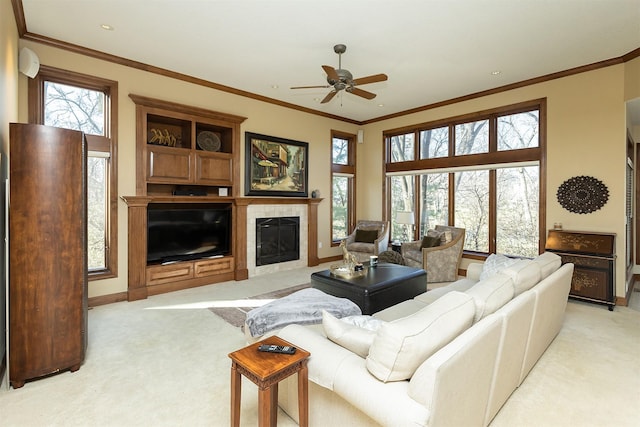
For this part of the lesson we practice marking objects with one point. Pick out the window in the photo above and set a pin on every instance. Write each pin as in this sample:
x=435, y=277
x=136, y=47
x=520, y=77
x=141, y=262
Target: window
x=343, y=171
x=80, y=102
x=402, y=147
x=403, y=189
x=482, y=172
x=434, y=143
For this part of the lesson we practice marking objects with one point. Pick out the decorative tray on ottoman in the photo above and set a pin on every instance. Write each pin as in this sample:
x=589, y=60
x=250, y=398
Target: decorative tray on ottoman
x=346, y=271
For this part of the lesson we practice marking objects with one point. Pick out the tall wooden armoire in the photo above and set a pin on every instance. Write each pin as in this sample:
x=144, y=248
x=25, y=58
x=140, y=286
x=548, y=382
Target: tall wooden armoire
x=47, y=251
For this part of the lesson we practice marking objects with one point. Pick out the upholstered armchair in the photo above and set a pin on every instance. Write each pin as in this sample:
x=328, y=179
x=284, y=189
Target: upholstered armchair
x=440, y=262
x=368, y=238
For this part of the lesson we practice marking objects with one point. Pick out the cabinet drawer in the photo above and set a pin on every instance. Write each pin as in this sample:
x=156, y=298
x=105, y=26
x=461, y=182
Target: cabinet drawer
x=168, y=166
x=213, y=169
x=212, y=267
x=157, y=275
x=583, y=261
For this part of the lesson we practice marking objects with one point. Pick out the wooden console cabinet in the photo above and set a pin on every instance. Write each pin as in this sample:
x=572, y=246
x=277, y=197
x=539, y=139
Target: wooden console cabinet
x=47, y=251
x=593, y=256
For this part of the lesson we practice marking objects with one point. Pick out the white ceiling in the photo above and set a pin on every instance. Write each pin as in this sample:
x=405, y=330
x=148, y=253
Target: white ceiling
x=432, y=50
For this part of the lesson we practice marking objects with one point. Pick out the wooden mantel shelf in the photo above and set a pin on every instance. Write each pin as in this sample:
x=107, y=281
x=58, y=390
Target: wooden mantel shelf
x=240, y=201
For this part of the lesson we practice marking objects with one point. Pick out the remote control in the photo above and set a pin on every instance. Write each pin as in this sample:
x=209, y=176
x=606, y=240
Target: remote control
x=284, y=349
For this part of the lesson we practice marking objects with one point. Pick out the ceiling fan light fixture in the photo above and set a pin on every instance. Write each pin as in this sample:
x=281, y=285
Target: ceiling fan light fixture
x=341, y=79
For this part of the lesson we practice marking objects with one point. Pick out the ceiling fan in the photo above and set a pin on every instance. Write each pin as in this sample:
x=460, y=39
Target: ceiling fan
x=342, y=79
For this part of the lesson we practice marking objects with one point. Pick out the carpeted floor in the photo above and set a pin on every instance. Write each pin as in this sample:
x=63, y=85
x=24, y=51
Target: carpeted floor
x=236, y=316
x=163, y=362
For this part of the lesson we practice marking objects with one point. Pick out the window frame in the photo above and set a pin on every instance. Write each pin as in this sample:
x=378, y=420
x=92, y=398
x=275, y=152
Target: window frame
x=344, y=170
x=107, y=144
x=490, y=160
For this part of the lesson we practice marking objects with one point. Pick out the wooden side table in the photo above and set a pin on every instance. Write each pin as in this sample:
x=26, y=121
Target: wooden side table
x=266, y=370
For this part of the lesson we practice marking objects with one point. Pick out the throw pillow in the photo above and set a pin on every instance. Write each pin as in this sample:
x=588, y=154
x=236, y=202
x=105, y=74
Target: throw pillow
x=366, y=236
x=438, y=234
x=430, y=242
x=354, y=338
x=495, y=263
x=401, y=346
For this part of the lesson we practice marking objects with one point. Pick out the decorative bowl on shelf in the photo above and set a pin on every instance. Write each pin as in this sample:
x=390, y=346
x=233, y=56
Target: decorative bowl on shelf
x=208, y=141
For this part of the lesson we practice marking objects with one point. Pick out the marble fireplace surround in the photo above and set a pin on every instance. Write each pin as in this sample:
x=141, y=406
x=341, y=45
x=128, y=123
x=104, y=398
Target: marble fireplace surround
x=275, y=211
x=305, y=209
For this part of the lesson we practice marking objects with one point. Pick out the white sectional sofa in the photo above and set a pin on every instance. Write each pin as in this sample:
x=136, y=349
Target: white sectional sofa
x=450, y=357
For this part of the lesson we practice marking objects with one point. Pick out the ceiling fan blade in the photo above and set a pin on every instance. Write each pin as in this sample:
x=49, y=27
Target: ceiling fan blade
x=309, y=87
x=331, y=72
x=362, y=93
x=370, y=79
x=329, y=97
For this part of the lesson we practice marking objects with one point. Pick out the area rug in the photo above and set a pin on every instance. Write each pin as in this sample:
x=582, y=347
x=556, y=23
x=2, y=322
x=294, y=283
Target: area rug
x=236, y=316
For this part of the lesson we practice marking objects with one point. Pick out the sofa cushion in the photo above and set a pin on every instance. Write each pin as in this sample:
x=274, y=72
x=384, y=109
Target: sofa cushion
x=491, y=294
x=548, y=262
x=461, y=285
x=494, y=263
x=354, y=338
x=366, y=236
x=400, y=310
x=399, y=347
x=524, y=273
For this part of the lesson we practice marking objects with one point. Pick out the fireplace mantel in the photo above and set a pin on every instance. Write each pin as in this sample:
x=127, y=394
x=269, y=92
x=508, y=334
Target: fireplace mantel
x=139, y=274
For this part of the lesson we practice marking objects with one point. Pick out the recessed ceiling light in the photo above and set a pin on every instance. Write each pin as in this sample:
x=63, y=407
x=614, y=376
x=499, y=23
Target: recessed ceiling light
x=316, y=99
x=380, y=105
x=274, y=86
x=106, y=27
x=496, y=72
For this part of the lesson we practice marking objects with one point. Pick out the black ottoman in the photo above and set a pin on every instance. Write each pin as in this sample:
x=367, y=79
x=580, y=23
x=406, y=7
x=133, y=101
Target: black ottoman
x=381, y=287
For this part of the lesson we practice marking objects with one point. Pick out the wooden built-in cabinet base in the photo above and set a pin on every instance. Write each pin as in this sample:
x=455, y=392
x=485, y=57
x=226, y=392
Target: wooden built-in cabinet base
x=188, y=274
x=145, y=280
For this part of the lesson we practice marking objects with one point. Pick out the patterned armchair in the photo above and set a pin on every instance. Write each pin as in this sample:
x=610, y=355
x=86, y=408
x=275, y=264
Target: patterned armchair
x=440, y=262
x=368, y=238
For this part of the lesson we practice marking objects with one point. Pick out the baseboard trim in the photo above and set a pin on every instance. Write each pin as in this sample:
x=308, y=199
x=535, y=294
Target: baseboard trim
x=330, y=258
x=107, y=299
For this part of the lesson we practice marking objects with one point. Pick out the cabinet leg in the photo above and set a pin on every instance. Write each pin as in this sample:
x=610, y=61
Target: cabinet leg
x=17, y=384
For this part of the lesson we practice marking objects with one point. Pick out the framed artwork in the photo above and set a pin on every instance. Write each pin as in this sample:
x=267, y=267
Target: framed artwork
x=275, y=166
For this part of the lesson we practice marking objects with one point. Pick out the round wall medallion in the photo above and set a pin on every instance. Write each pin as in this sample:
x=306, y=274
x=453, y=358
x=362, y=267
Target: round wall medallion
x=582, y=194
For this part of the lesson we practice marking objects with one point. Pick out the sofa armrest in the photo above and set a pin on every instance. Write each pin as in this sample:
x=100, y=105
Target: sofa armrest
x=326, y=356
x=474, y=270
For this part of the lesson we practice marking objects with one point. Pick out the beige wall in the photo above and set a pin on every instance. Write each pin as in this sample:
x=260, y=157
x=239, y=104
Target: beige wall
x=632, y=79
x=261, y=117
x=632, y=93
x=8, y=114
x=585, y=136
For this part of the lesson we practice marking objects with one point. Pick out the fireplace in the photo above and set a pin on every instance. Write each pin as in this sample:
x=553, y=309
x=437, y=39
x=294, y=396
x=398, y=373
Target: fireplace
x=277, y=240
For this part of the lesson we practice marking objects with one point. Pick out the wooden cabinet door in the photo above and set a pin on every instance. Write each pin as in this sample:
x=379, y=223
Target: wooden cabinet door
x=213, y=169
x=168, y=165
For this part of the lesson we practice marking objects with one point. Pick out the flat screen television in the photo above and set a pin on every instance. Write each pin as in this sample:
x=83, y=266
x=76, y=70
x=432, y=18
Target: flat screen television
x=180, y=232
